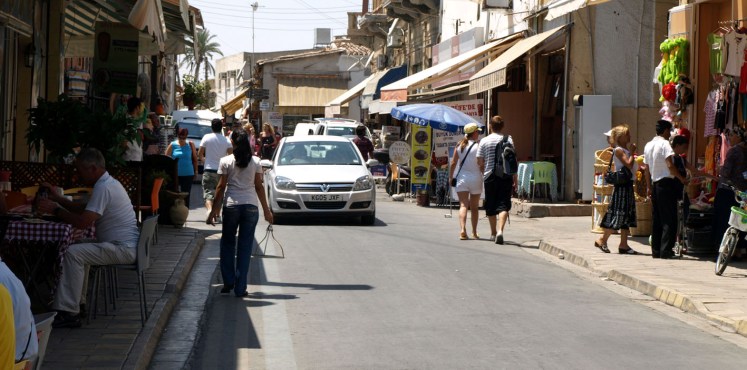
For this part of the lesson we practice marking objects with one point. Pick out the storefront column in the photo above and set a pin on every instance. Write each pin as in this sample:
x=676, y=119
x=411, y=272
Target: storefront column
x=54, y=60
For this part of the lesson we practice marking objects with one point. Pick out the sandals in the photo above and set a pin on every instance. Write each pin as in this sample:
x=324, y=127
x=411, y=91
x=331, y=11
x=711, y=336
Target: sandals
x=628, y=250
x=475, y=236
x=602, y=247
x=463, y=236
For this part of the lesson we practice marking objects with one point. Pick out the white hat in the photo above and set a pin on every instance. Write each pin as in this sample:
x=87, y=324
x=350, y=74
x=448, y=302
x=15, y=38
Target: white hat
x=608, y=133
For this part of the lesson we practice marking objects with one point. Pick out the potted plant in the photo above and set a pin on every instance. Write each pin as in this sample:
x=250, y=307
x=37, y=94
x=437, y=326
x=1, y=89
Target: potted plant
x=66, y=124
x=193, y=92
x=56, y=125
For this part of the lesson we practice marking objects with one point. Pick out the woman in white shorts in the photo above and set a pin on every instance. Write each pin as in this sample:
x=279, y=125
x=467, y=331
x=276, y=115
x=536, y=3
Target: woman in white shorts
x=466, y=177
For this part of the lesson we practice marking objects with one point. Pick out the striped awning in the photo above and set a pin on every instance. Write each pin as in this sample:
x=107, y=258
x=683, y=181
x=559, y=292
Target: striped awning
x=494, y=74
x=309, y=92
x=399, y=91
x=81, y=17
x=233, y=105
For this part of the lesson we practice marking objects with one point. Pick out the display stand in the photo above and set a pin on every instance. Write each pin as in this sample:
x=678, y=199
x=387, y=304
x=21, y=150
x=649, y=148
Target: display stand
x=601, y=191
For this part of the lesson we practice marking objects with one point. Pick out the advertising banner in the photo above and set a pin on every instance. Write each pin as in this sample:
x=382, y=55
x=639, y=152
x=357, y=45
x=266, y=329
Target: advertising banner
x=115, y=58
x=420, y=161
x=473, y=108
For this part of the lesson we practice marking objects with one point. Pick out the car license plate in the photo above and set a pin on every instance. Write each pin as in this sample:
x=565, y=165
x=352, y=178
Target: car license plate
x=325, y=197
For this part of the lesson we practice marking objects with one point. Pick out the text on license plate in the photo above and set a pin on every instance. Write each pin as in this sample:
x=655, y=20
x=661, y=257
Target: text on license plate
x=325, y=197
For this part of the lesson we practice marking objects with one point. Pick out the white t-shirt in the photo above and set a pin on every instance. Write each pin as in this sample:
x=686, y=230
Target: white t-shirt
x=470, y=161
x=216, y=146
x=655, y=155
x=735, y=46
x=117, y=222
x=240, y=185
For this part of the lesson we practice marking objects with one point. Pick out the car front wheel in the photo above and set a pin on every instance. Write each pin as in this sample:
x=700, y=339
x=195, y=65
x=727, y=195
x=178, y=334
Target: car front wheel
x=368, y=220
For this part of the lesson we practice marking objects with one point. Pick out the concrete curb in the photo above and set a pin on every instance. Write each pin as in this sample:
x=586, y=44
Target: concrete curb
x=663, y=294
x=143, y=349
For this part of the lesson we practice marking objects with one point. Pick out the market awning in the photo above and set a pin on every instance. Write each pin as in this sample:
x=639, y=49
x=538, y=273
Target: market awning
x=350, y=94
x=559, y=8
x=494, y=74
x=81, y=17
x=309, y=91
x=233, y=105
x=382, y=78
x=398, y=91
x=148, y=14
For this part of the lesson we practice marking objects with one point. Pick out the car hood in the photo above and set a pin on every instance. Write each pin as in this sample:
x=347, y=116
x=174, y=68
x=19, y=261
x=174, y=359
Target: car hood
x=321, y=173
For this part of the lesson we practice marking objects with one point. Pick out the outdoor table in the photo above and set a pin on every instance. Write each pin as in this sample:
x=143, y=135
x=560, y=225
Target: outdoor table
x=525, y=172
x=34, y=250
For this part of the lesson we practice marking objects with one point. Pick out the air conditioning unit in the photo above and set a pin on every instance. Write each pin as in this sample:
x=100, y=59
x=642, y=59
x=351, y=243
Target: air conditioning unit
x=396, y=38
x=381, y=61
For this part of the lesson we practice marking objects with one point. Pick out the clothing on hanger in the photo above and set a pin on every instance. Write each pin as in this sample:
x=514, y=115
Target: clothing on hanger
x=709, y=128
x=736, y=43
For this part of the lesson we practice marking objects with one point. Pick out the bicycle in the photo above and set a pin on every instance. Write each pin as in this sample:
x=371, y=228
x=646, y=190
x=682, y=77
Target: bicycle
x=737, y=224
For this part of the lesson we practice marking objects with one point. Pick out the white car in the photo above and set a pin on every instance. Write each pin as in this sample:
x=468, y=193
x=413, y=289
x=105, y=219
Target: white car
x=319, y=175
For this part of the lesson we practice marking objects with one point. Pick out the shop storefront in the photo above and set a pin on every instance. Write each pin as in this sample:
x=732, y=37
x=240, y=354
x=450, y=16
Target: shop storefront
x=713, y=34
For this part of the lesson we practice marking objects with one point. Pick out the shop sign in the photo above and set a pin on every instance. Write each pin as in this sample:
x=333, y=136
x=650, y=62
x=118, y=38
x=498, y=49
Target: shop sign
x=474, y=108
x=399, y=152
x=115, y=58
x=264, y=105
x=420, y=160
x=276, y=120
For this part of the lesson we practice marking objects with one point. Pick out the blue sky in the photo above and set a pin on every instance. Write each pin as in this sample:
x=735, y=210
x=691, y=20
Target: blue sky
x=279, y=24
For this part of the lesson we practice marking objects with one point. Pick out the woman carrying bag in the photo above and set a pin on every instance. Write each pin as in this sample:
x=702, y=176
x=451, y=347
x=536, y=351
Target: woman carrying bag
x=621, y=212
x=240, y=190
x=467, y=180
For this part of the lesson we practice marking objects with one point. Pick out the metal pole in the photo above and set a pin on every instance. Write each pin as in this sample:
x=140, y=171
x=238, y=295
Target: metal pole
x=255, y=5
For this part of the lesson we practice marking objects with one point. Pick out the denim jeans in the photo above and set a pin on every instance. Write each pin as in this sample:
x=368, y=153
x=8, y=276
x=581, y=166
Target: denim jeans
x=234, y=256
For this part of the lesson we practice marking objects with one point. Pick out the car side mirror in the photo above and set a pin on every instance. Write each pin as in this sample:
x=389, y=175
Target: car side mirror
x=372, y=162
x=266, y=163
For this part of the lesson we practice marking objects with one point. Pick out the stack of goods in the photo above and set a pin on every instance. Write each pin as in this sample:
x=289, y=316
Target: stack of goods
x=643, y=208
x=602, y=190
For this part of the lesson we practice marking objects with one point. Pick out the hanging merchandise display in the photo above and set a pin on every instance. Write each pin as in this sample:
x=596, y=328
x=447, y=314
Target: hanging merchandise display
x=674, y=57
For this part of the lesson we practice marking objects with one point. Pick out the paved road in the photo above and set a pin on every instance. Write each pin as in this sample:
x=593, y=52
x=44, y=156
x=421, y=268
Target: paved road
x=406, y=293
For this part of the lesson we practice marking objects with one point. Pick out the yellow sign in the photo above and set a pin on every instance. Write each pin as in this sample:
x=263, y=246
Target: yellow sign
x=420, y=161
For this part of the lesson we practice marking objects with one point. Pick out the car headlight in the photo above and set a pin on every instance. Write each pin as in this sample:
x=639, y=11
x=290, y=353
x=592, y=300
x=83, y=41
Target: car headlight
x=363, y=183
x=284, y=183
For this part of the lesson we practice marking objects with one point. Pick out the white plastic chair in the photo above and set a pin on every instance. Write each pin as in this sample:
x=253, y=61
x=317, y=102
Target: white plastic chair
x=142, y=261
x=43, y=329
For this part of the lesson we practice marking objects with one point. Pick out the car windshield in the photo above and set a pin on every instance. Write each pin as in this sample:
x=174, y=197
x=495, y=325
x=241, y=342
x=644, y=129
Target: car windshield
x=318, y=153
x=340, y=131
x=196, y=131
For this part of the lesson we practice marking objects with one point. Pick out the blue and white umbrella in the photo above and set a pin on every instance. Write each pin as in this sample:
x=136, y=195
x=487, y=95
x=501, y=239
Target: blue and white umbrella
x=438, y=116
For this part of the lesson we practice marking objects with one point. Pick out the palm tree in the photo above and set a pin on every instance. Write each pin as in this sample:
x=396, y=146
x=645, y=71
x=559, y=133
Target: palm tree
x=206, y=49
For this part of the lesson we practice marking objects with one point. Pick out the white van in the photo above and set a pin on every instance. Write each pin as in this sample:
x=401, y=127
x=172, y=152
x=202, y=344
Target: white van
x=305, y=129
x=338, y=127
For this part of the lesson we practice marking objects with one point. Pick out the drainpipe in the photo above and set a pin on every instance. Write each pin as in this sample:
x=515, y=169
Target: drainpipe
x=565, y=110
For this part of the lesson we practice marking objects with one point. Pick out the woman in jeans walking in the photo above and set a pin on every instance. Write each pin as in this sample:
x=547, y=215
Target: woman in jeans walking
x=240, y=185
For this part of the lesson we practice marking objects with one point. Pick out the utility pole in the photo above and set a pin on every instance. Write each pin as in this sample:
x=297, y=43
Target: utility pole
x=254, y=5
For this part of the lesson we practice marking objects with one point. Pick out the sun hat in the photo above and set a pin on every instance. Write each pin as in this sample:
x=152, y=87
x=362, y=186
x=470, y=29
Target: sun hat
x=470, y=128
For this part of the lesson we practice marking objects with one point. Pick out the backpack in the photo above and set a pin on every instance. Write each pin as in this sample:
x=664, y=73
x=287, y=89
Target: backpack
x=505, y=164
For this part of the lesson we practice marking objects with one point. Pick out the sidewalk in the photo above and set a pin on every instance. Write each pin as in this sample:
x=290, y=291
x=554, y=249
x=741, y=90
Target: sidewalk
x=118, y=340
x=689, y=283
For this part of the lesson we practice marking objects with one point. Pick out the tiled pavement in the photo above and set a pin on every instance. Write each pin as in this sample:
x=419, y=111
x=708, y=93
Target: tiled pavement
x=117, y=341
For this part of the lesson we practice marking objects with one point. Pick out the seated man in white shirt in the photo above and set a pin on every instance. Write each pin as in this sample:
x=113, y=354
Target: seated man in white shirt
x=110, y=209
